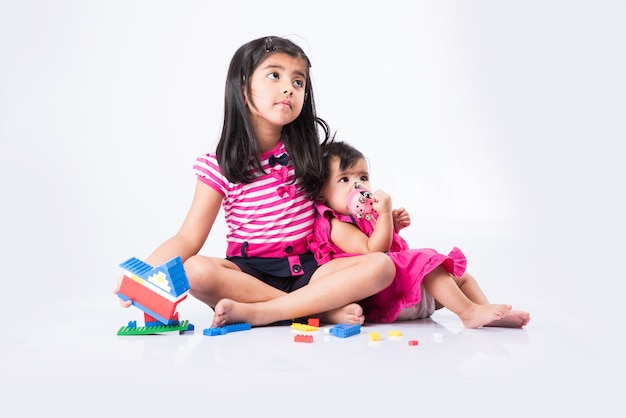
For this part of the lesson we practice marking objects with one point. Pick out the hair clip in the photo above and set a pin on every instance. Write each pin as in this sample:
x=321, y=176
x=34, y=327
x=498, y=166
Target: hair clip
x=269, y=45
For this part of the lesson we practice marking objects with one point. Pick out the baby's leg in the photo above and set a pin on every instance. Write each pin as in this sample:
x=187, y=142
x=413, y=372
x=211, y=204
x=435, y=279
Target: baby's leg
x=445, y=290
x=515, y=319
x=469, y=286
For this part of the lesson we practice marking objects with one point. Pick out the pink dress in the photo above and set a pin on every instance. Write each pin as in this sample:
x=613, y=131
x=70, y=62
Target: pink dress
x=411, y=265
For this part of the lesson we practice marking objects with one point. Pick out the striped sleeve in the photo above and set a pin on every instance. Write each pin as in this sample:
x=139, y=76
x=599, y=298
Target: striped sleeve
x=208, y=171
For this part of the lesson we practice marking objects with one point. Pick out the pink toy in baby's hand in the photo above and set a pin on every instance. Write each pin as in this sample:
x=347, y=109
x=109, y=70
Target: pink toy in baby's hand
x=360, y=203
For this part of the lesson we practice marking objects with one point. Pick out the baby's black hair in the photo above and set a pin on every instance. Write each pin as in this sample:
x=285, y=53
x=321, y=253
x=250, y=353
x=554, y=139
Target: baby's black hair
x=344, y=152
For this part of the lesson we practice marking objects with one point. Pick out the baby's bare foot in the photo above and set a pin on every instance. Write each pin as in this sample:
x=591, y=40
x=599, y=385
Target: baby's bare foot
x=349, y=314
x=515, y=319
x=481, y=315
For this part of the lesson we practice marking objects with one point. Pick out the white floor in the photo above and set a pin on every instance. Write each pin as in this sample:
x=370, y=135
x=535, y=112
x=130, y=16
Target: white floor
x=498, y=125
x=76, y=365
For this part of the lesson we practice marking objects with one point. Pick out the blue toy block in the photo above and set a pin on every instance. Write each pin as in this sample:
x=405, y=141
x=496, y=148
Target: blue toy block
x=159, y=323
x=243, y=326
x=211, y=332
x=345, y=330
x=172, y=274
x=190, y=329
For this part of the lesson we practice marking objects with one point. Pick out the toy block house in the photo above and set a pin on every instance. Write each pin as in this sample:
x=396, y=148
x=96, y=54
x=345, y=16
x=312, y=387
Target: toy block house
x=155, y=290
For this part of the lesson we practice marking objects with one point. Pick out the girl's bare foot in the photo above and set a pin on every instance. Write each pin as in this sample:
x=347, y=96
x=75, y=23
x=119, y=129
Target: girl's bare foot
x=228, y=311
x=515, y=319
x=481, y=315
x=349, y=314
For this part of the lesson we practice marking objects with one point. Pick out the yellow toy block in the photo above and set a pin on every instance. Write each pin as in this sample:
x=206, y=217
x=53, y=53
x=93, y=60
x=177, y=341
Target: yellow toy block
x=373, y=336
x=303, y=327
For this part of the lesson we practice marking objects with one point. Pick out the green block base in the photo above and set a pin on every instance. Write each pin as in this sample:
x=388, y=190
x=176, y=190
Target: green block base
x=157, y=329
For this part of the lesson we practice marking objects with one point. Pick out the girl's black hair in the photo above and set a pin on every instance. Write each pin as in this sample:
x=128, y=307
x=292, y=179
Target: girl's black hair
x=347, y=155
x=237, y=152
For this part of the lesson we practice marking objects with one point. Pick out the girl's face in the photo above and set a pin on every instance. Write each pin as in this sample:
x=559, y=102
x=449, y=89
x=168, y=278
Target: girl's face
x=277, y=92
x=340, y=183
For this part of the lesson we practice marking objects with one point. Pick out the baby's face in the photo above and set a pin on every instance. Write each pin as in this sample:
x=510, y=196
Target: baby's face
x=341, y=183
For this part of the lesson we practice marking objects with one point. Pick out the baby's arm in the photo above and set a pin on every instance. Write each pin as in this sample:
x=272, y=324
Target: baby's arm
x=348, y=237
x=351, y=240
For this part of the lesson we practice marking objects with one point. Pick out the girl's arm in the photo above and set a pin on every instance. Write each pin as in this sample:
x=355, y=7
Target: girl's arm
x=350, y=239
x=192, y=234
x=195, y=228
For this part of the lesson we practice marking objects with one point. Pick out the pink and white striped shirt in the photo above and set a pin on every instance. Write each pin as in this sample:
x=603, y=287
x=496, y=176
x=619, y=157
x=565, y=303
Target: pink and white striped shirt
x=269, y=217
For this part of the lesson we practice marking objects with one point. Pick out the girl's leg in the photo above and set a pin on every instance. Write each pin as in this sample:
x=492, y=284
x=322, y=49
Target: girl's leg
x=352, y=313
x=469, y=286
x=212, y=279
x=447, y=292
x=336, y=284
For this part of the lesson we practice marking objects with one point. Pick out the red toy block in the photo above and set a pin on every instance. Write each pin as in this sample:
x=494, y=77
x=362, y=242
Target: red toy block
x=413, y=342
x=157, y=304
x=303, y=338
x=314, y=322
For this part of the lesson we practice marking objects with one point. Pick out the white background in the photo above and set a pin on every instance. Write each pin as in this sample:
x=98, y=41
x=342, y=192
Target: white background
x=499, y=125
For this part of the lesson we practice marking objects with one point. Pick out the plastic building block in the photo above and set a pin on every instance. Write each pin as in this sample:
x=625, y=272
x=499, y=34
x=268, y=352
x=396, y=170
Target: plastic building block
x=155, y=290
x=413, y=342
x=314, y=322
x=373, y=336
x=303, y=327
x=303, y=338
x=242, y=326
x=345, y=330
x=133, y=329
x=395, y=333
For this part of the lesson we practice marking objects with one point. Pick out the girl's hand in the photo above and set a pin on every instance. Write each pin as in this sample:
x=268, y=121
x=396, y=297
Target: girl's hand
x=123, y=303
x=401, y=219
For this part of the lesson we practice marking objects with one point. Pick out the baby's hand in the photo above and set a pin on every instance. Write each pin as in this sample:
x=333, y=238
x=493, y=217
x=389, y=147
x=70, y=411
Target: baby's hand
x=401, y=219
x=381, y=202
x=123, y=303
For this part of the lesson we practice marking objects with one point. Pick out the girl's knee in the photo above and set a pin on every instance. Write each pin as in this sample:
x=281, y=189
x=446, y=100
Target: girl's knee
x=384, y=267
x=191, y=267
x=198, y=269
